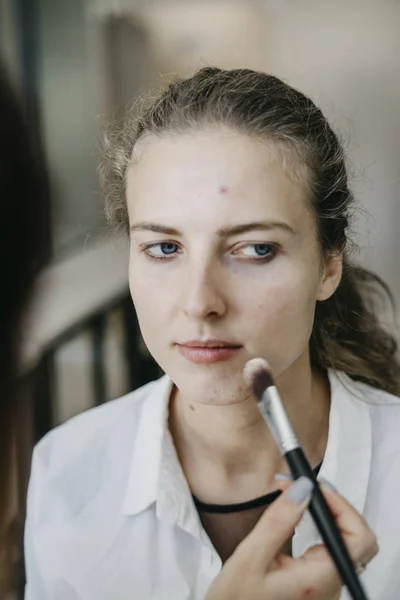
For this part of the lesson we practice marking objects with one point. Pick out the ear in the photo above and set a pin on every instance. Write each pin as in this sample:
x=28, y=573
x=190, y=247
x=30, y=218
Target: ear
x=331, y=276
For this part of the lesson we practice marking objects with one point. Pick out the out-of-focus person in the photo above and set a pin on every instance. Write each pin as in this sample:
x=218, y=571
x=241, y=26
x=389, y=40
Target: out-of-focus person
x=24, y=210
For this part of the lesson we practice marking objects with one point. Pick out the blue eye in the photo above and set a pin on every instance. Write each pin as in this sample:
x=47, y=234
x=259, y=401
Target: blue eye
x=168, y=248
x=256, y=251
x=161, y=250
x=262, y=249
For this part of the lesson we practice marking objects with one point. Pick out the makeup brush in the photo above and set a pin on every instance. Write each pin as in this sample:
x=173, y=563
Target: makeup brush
x=257, y=374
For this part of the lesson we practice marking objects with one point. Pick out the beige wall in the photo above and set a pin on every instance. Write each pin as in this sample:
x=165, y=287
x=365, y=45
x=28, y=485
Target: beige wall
x=346, y=55
x=69, y=103
x=186, y=36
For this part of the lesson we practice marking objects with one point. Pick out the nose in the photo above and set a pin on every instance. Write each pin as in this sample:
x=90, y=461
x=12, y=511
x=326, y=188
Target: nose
x=204, y=297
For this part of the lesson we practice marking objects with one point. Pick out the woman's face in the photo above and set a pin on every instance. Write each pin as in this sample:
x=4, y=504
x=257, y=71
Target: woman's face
x=224, y=260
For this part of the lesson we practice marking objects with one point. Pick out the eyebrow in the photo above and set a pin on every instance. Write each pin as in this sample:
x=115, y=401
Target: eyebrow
x=223, y=232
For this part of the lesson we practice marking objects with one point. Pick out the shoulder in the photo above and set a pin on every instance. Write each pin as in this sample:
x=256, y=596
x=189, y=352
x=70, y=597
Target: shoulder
x=80, y=475
x=385, y=417
x=378, y=400
x=364, y=393
x=383, y=407
x=89, y=439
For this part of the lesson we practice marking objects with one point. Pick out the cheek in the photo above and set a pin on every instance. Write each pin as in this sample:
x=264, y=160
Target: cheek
x=287, y=304
x=284, y=319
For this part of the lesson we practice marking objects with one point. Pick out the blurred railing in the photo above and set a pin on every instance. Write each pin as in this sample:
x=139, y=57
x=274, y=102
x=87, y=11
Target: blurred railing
x=76, y=297
x=140, y=367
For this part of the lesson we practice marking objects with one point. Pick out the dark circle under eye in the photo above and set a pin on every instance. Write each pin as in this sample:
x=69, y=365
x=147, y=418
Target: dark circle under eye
x=262, y=249
x=168, y=248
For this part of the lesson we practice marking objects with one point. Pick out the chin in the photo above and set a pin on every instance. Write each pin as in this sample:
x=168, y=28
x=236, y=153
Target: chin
x=211, y=387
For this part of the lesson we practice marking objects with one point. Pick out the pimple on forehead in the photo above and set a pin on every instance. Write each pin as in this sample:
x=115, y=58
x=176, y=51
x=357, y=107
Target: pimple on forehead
x=223, y=189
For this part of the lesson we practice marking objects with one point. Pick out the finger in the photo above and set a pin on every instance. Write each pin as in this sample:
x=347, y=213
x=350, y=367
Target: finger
x=358, y=537
x=283, y=477
x=319, y=568
x=283, y=484
x=275, y=527
x=311, y=576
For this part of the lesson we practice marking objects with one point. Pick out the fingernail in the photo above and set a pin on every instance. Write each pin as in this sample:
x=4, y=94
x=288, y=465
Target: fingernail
x=300, y=490
x=283, y=477
x=327, y=484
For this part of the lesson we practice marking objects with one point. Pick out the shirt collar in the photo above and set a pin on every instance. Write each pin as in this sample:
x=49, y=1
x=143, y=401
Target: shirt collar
x=156, y=475
x=144, y=472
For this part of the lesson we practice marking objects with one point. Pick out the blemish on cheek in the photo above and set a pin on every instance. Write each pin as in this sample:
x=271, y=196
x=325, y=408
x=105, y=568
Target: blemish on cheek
x=191, y=407
x=223, y=189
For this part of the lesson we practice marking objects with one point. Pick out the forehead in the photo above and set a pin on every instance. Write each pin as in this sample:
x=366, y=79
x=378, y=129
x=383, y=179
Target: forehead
x=217, y=170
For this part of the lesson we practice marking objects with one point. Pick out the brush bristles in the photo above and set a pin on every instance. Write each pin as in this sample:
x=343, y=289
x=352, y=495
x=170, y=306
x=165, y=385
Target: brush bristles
x=257, y=374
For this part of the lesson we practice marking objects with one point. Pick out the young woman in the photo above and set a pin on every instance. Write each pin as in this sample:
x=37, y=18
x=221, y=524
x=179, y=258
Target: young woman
x=234, y=190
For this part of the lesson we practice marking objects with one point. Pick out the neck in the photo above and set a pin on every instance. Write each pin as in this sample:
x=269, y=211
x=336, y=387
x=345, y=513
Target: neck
x=230, y=448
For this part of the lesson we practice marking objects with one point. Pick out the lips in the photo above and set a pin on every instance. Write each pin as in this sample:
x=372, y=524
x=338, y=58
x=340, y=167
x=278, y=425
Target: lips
x=208, y=351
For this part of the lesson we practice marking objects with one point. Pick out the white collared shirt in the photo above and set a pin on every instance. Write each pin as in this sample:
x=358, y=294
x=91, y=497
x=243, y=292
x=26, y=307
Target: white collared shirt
x=111, y=516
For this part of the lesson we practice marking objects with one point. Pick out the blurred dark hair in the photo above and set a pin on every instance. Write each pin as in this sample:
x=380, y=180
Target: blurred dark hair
x=24, y=248
x=347, y=334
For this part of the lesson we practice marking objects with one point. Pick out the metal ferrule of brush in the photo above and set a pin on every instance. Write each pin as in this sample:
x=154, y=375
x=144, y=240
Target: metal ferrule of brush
x=272, y=407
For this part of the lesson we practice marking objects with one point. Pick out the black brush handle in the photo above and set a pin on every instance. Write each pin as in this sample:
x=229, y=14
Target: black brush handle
x=326, y=525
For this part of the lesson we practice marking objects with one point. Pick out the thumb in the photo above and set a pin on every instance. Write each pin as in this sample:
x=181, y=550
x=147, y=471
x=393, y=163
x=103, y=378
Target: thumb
x=275, y=527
